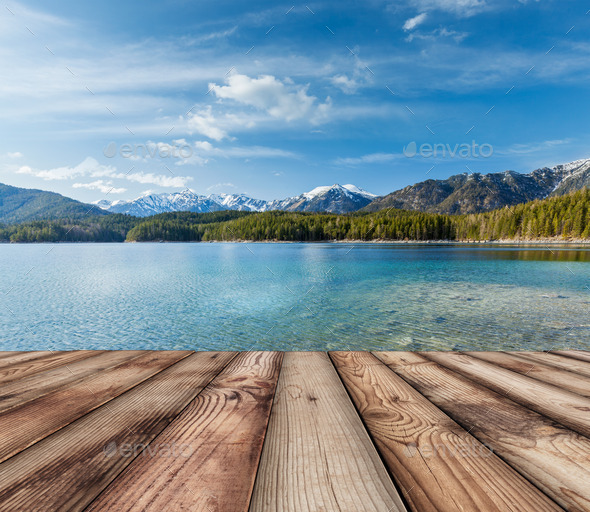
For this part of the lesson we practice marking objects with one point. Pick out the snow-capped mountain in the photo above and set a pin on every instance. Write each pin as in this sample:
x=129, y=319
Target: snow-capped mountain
x=473, y=193
x=334, y=199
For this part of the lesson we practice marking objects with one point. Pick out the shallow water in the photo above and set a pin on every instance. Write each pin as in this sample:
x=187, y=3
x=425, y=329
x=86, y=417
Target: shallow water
x=293, y=297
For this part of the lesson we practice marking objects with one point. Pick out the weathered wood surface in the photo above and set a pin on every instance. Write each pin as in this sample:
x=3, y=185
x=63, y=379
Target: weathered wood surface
x=53, y=360
x=419, y=443
x=222, y=433
x=17, y=357
x=35, y=386
x=80, y=460
x=24, y=425
x=573, y=354
x=569, y=409
x=552, y=456
x=317, y=454
x=537, y=370
x=183, y=431
x=559, y=361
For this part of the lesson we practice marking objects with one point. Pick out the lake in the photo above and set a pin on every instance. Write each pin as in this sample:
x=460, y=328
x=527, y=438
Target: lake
x=237, y=296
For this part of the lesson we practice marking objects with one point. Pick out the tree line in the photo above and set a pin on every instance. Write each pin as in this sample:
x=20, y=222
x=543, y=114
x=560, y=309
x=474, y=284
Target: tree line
x=565, y=217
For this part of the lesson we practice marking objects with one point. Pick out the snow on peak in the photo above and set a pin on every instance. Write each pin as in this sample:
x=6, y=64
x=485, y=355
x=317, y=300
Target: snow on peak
x=355, y=190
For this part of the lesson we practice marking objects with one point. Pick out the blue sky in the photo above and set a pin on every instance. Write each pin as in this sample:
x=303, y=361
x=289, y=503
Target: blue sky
x=114, y=99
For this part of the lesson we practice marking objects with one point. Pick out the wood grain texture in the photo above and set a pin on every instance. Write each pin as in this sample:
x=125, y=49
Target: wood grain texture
x=558, y=361
x=7, y=353
x=543, y=451
x=37, y=385
x=67, y=470
x=564, y=379
x=437, y=464
x=22, y=426
x=317, y=454
x=21, y=357
x=569, y=409
x=23, y=369
x=582, y=355
x=222, y=431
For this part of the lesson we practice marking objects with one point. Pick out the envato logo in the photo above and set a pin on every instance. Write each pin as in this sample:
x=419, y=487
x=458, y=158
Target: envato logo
x=134, y=449
x=443, y=450
x=178, y=149
x=463, y=150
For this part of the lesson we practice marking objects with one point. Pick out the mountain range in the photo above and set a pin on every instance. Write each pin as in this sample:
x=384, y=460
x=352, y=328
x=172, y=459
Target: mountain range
x=461, y=193
x=474, y=193
x=333, y=199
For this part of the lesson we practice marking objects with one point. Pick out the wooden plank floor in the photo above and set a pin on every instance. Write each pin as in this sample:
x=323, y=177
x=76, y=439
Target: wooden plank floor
x=295, y=431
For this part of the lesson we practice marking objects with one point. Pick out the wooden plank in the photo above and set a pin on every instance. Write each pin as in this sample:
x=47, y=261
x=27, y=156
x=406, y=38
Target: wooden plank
x=22, y=426
x=569, y=409
x=35, y=386
x=537, y=370
x=317, y=454
x=68, y=469
x=222, y=431
x=582, y=355
x=23, y=369
x=7, y=353
x=549, y=455
x=19, y=357
x=436, y=463
x=558, y=361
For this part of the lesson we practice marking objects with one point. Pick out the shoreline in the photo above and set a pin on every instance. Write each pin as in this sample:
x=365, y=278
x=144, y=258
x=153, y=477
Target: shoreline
x=517, y=242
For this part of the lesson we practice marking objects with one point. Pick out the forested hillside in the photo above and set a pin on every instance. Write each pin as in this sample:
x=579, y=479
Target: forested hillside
x=565, y=217
x=23, y=204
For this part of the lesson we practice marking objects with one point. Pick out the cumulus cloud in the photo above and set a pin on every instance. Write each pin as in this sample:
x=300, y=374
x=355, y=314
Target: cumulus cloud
x=412, y=23
x=281, y=100
x=206, y=124
x=91, y=168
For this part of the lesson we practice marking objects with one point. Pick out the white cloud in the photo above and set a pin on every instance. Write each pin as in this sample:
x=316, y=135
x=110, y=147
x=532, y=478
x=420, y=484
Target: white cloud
x=244, y=152
x=281, y=100
x=459, y=7
x=88, y=167
x=14, y=155
x=437, y=34
x=91, y=168
x=204, y=123
x=156, y=179
x=371, y=158
x=534, y=147
x=106, y=187
x=412, y=23
x=220, y=186
x=345, y=84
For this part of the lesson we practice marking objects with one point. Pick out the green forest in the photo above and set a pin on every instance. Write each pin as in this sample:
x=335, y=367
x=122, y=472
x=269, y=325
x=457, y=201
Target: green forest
x=565, y=217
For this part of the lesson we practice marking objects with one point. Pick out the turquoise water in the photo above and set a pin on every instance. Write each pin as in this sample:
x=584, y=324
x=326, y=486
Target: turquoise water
x=292, y=297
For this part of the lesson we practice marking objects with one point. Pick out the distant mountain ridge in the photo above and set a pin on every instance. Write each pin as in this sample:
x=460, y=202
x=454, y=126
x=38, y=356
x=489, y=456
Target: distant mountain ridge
x=333, y=199
x=475, y=193
x=23, y=205
x=461, y=193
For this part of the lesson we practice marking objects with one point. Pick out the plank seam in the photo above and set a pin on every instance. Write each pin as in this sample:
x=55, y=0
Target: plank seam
x=400, y=493
x=106, y=487
x=105, y=404
x=272, y=404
